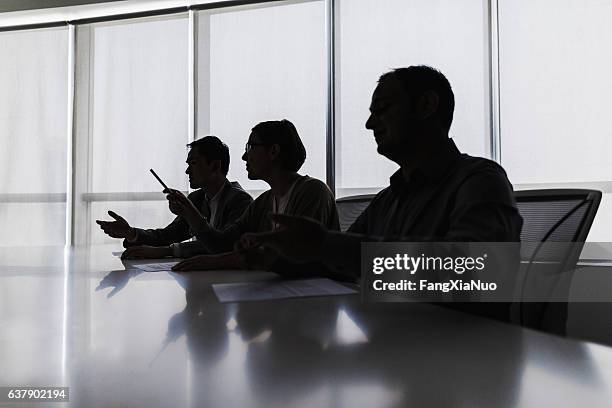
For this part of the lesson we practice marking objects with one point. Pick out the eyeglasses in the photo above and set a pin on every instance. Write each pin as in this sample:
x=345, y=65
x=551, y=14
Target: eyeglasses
x=249, y=145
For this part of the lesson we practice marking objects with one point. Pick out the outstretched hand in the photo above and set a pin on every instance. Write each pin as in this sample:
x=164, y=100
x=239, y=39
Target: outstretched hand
x=298, y=238
x=119, y=228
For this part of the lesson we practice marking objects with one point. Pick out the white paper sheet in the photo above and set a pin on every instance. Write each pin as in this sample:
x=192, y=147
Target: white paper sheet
x=156, y=267
x=278, y=289
x=595, y=262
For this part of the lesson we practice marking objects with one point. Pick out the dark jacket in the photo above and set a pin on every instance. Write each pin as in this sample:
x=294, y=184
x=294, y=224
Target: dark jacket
x=232, y=203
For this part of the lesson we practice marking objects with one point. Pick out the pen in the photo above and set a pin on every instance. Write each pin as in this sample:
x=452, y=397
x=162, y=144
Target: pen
x=158, y=179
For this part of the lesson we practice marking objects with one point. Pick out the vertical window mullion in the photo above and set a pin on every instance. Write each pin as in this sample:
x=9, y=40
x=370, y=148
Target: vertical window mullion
x=331, y=83
x=70, y=164
x=494, y=78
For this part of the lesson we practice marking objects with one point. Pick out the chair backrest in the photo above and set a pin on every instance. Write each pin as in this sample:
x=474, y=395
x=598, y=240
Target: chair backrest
x=349, y=208
x=551, y=215
x=556, y=215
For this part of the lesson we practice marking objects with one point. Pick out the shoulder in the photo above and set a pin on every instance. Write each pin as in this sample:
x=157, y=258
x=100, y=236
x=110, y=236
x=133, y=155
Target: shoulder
x=381, y=198
x=236, y=187
x=261, y=205
x=472, y=165
x=311, y=185
x=485, y=178
x=263, y=198
x=236, y=192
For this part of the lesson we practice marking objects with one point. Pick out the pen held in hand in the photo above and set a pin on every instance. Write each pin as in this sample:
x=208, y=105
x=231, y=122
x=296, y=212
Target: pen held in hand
x=158, y=179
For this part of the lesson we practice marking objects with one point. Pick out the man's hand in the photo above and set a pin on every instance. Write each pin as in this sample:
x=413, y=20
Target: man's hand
x=180, y=205
x=298, y=238
x=118, y=228
x=146, y=252
x=229, y=260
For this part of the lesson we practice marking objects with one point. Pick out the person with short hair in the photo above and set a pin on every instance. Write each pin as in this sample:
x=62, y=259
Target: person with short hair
x=273, y=153
x=218, y=200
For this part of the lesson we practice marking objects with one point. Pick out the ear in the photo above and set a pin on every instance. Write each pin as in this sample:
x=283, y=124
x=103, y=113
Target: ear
x=215, y=166
x=274, y=151
x=428, y=104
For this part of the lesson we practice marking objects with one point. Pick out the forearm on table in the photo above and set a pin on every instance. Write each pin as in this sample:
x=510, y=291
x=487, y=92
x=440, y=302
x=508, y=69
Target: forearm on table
x=215, y=240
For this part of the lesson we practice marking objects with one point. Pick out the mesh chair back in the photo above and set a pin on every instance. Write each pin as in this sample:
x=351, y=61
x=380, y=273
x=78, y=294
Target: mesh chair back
x=349, y=208
x=556, y=215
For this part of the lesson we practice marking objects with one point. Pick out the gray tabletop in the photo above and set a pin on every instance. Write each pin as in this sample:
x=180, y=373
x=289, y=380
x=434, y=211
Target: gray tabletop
x=119, y=338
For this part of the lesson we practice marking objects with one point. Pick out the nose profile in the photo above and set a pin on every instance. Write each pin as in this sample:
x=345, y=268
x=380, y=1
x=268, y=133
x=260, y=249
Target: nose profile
x=244, y=156
x=370, y=122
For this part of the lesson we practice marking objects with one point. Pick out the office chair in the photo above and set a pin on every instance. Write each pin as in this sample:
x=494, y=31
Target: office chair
x=550, y=216
x=349, y=208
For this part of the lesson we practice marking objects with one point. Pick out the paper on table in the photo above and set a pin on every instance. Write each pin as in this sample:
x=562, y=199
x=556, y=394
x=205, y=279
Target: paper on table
x=278, y=289
x=156, y=267
x=595, y=262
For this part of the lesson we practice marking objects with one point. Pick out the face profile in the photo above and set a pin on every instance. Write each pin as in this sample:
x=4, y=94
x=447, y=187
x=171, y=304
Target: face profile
x=274, y=147
x=207, y=162
x=410, y=113
x=198, y=169
x=256, y=156
x=392, y=120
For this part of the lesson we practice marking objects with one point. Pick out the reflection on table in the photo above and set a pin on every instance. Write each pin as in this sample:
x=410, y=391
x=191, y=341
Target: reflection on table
x=120, y=337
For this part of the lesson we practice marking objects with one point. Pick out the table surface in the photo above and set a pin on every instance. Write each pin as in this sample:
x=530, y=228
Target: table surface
x=119, y=338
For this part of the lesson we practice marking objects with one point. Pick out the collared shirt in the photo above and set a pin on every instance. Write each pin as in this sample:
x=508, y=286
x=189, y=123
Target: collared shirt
x=451, y=197
x=279, y=204
x=213, y=205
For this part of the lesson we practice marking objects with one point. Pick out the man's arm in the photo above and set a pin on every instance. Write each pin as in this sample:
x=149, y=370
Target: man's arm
x=176, y=231
x=232, y=210
x=484, y=212
x=218, y=241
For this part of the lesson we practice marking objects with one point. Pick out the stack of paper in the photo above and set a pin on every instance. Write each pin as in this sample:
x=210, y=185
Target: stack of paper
x=278, y=289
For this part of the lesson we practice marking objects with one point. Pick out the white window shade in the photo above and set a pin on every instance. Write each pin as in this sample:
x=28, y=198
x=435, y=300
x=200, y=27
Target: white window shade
x=33, y=137
x=375, y=37
x=263, y=64
x=139, y=105
x=137, y=115
x=555, y=64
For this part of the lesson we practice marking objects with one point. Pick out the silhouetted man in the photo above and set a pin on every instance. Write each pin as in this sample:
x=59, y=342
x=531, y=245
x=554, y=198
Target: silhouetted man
x=438, y=194
x=221, y=202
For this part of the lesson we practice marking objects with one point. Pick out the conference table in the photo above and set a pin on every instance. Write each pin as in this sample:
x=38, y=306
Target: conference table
x=119, y=337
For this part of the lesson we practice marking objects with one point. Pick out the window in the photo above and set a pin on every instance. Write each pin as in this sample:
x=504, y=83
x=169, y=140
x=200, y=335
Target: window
x=448, y=35
x=33, y=136
x=268, y=61
x=137, y=113
x=261, y=64
x=555, y=80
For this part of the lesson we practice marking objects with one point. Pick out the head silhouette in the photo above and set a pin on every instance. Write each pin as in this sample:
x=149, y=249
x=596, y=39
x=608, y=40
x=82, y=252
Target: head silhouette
x=273, y=146
x=411, y=108
x=208, y=159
